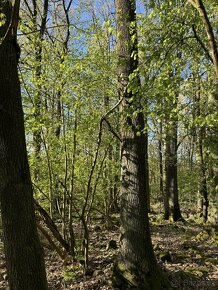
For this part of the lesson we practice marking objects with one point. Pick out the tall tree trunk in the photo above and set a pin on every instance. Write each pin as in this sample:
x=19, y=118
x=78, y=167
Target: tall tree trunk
x=212, y=42
x=172, y=206
x=137, y=264
x=203, y=179
x=166, y=179
x=200, y=158
x=38, y=45
x=160, y=151
x=148, y=193
x=24, y=256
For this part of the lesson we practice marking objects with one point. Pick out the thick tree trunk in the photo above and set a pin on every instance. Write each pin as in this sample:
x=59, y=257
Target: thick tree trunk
x=137, y=265
x=24, y=255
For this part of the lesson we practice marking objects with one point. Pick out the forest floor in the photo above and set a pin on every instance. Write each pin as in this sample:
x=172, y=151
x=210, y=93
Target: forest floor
x=188, y=253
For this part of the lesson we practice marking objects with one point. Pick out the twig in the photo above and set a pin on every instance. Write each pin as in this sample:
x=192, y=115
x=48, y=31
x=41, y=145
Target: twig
x=112, y=130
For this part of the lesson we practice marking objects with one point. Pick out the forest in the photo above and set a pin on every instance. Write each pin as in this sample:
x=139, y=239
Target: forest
x=108, y=144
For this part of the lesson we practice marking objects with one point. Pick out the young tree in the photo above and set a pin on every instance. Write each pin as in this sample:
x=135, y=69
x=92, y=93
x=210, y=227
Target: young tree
x=37, y=14
x=24, y=256
x=137, y=265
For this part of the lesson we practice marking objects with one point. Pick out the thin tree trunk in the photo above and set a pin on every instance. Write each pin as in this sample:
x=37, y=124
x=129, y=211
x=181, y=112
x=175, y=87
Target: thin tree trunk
x=203, y=180
x=200, y=155
x=160, y=150
x=166, y=177
x=172, y=206
x=199, y=5
x=52, y=227
x=37, y=140
x=70, y=225
x=148, y=197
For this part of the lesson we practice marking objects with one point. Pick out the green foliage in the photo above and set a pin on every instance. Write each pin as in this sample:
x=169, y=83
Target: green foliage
x=70, y=88
x=198, y=271
x=69, y=276
x=2, y=19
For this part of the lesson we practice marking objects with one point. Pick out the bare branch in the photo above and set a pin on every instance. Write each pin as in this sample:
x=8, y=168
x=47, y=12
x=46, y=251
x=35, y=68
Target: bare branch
x=201, y=44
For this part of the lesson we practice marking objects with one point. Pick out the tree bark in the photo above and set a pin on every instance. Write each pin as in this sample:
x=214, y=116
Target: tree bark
x=24, y=255
x=212, y=42
x=199, y=5
x=201, y=162
x=172, y=206
x=160, y=151
x=137, y=266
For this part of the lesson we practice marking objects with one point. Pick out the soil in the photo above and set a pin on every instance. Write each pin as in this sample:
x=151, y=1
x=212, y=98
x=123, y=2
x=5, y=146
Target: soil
x=186, y=251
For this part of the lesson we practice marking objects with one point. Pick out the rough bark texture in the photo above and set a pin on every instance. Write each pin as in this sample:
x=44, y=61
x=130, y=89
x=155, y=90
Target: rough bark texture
x=171, y=183
x=24, y=255
x=137, y=265
x=171, y=193
x=204, y=202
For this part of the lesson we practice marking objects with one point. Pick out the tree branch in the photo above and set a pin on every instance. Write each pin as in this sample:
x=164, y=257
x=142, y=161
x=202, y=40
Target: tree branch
x=199, y=6
x=201, y=44
x=12, y=28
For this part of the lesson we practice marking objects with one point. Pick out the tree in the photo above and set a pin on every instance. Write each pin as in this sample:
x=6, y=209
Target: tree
x=171, y=183
x=171, y=198
x=34, y=13
x=213, y=140
x=24, y=256
x=200, y=156
x=137, y=264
